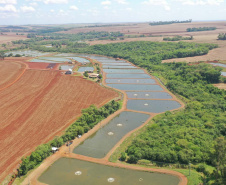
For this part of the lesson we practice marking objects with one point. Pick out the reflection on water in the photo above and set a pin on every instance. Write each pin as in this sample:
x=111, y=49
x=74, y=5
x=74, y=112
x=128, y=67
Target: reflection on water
x=62, y=172
x=124, y=71
x=128, y=76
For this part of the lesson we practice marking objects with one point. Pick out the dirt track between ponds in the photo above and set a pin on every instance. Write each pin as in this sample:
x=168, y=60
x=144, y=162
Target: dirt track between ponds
x=64, y=150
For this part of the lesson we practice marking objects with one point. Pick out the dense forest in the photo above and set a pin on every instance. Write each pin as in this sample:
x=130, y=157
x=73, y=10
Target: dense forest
x=177, y=38
x=168, y=22
x=90, y=117
x=222, y=36
x=193, y=135
x=201, y=29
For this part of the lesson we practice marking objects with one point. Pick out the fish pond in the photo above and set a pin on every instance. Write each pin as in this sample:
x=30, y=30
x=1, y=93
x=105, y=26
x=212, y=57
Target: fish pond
x=152, y=106
x=136, y=87
x=131, y=81
x=134, y=76
x=67, y=171
x=100, y=143
x=148, y=95
x=83, y=69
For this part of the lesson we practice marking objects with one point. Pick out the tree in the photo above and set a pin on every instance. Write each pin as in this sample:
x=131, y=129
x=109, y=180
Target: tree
x=86, y=74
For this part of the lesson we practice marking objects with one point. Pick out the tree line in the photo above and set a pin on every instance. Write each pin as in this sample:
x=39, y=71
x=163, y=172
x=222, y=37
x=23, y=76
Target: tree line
x=90, y=117
x=169, y=22
x=177, y=38
x=201, y=29
x=222, y=36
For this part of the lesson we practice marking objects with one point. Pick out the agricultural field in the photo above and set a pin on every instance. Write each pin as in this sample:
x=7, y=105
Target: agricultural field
x=8, y=37
x=39, y=106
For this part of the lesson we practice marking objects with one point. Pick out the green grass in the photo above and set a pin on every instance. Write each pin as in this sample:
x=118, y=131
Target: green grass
x=195, y=178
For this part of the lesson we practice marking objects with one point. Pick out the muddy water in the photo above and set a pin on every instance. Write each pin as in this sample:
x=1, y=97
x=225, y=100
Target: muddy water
x=99, y=144
x=67, y=171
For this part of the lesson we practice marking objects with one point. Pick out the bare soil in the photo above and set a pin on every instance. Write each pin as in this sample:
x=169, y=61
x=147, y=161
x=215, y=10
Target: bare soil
x=39, y=106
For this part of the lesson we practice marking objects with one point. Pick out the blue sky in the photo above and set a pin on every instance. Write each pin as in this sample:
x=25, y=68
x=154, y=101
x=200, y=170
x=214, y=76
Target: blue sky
x=20, y=12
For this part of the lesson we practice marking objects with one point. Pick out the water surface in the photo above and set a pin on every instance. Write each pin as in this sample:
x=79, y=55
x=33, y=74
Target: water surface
x=99, y=144
x=131, y=81
x=83, y=69
x=66, y=67
x=148, y=95
x=124, y=71
x=136, y=87
x=135, y=76
x=153, y=106
x=62, y=172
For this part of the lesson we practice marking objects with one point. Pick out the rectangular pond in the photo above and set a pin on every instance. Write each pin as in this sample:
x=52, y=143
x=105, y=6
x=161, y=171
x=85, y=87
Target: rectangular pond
x=131, y=81
x=44, y=61
x=124, y=71
x=100, y=143
x=83, y=69
x=55, y=59
x=117, y=64
x=118, y=67
x=148, y=95
x=136, y=87
x=135, y=76
x=153, y=106
x=66, y=171
x=80, y=60
x=66, y=67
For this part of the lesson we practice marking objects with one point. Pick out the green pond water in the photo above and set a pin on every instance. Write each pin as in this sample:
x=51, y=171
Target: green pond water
x=134, y=76
x=153, y=106
x=131, y=81
x=136, y=87
x=148, y=95
x=100, y=143
x=67, y=171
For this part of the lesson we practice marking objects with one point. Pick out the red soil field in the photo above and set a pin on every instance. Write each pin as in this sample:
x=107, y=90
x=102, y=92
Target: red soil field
x=42, y=65
x=9, y=72
x=40, y=105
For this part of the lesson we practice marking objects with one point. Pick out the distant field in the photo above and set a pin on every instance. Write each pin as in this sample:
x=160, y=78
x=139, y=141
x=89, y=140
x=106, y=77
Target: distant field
x=39, y=106
x=8, y=37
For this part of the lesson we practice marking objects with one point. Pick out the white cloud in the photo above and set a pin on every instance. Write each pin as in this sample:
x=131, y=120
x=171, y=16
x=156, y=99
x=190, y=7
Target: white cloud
x=8, y=8
x=33, y=4
x=52, y=10
x=94, y=12
x=8, y=1
x=106, y=2
x=73, y=8
x=201, y=2
x=54, y=1
x=163, y=3
x=129, y=9
x=26, y=9
x=106, y=7
x=122, y=1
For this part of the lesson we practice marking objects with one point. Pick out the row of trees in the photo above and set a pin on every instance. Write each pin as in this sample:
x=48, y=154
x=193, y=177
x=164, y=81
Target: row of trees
x=177, y=38
x=169, y=22
x=90, y=117
x=201, y=29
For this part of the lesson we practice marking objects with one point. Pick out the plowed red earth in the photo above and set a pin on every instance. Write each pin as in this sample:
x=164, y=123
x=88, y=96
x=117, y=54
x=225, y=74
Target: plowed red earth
x=9, y=72
x=38, y=106
x=41, y=65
